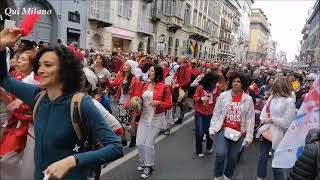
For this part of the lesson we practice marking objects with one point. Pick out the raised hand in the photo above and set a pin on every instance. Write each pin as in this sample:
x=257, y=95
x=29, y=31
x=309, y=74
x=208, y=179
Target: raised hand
x=9, y=36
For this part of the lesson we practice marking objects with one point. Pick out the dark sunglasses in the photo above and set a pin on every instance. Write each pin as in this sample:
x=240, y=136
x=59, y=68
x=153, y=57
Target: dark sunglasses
x=309, y=80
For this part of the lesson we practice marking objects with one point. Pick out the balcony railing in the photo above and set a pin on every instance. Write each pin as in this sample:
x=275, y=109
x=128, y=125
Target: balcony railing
x=174, y=24
x=199, y=33
x=236, y=22
x=148, y=1
x=100, y=12
x=156, y=14
x=214, y=40
x=173, y=20
x=145, y=26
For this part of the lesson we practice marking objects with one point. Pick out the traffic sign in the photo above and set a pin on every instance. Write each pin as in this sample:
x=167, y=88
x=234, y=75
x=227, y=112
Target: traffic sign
x=161, y=46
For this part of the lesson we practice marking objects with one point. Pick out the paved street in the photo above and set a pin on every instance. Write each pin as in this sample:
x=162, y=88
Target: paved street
x=176, y=160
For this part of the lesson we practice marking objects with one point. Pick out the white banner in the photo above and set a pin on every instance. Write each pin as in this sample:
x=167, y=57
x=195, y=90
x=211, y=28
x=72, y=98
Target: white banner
x=291, y=146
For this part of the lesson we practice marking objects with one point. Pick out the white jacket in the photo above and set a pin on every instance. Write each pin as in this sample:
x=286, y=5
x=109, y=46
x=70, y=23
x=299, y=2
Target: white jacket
x=282, y=112
x=247, y=114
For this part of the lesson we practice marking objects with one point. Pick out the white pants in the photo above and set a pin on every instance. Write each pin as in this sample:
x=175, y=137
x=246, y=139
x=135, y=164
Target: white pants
x=146, y=136
x=168, y=120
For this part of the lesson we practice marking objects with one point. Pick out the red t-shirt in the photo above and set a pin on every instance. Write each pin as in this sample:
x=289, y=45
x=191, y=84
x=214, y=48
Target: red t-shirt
x=233, y=116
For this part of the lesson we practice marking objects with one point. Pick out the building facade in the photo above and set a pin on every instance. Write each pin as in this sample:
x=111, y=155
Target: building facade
x=272, y=50
x=168, y=27
x=310, y=44
x=67, y=20
x=123, y=25
x=186, y=27
x=282, y=57
x=229, y=28
x=242, y=44
x=259, y=36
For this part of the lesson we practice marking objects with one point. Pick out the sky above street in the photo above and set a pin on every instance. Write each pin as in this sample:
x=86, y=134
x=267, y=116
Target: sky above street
x=287, y=18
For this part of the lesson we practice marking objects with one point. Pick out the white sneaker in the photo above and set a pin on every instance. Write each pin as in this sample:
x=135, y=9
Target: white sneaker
x=200, y=155
x=147, y=172
x=141, y=167
x=209, y=151
x=226, y=178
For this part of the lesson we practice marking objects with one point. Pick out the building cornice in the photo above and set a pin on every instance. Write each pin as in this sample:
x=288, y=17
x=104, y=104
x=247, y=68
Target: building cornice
x=262, y=24
x=316, y=9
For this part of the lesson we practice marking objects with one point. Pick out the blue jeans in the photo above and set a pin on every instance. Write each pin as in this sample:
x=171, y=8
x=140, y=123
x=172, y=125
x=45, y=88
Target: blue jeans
x=265, y=147
x=202, y=124
x=226, y=149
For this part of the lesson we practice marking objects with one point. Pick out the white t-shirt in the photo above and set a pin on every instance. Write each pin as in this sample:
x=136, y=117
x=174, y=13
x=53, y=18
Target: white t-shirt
x=103, y=73
x=30, y=79
x=110, y=119
x=148, y=111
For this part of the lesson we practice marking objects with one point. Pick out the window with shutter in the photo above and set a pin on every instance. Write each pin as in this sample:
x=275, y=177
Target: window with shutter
x=129, y=8
x=163, y=6
x=120, y=7
x=168, y=7
x=125, y=9
x=170, y=41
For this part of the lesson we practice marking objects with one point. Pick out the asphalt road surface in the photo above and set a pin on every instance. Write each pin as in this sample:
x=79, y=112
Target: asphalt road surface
x=176, y=160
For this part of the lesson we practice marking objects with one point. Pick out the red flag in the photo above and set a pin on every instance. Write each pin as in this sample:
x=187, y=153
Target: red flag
x=28, y=23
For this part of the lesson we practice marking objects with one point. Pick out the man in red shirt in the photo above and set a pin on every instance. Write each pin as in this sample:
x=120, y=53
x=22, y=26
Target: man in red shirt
x=181, y=81
x=117, y=61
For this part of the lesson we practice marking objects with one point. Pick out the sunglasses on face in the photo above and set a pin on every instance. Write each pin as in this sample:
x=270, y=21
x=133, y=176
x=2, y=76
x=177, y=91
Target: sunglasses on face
x=309, y=80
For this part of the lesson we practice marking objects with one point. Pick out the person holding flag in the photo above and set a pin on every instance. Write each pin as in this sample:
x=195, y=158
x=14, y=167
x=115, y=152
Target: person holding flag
x=293, y=144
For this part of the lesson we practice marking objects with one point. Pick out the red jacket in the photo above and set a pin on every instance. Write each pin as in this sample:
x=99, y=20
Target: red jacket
x=162, y=94
x=205, y=109
x=183, y=76
x=14, y=138
x=165, y=73
x=118, y=63
x=134, y=89
x=195, y=72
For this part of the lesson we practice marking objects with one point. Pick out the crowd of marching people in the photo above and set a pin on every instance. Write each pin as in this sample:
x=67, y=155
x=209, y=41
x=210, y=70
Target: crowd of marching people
x=59, y=106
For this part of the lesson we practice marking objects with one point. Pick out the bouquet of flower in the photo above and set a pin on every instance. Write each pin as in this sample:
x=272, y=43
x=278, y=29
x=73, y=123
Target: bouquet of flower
x=135, y=103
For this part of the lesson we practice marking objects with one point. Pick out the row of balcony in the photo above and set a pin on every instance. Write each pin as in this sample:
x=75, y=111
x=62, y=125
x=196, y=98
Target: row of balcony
x=226, y=38
x=236, y=21
x=198, y=33
x=227, y=53
x=145, y=26
x=97, y=13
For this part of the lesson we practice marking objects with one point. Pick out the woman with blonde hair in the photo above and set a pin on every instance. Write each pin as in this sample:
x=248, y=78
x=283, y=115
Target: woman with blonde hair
x=276, y=117
x=20, y=118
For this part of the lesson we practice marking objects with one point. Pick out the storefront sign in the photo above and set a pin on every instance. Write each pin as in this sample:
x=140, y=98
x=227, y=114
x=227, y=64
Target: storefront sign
x=121, y=34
